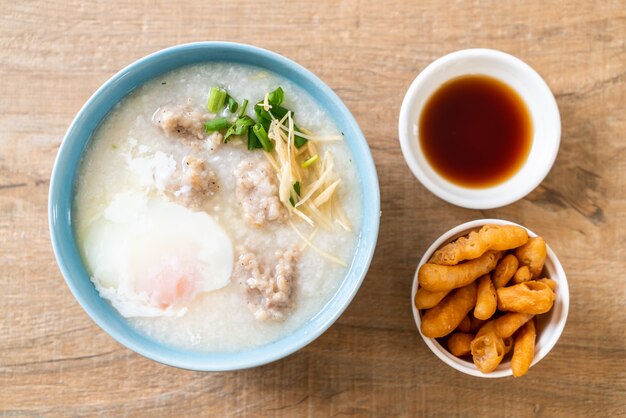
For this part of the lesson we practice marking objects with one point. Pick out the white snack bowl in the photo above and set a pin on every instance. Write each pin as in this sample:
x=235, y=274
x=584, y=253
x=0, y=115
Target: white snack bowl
x=533, y=90
x=549, y=325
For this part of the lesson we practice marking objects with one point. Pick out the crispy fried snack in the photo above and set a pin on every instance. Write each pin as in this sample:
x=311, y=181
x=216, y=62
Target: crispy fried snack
x=459, y=344
x=532, y=297
x=437, y=278
x=488, y=326
x=524, y=350
x=486, y=299
x=425, y=299
x=533, y=255
x=464, y=287
x=522, y=275
x=465, y=325
x=505, y=270
x=476, y=323
x=551, y=283
x=508, y=324
x=448, y=314
x=490, y=237
x=487, y=351
x=494, y=340
x=508, y=344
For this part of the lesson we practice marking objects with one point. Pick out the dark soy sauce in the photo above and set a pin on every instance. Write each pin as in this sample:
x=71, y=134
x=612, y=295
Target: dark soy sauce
x=475, y=131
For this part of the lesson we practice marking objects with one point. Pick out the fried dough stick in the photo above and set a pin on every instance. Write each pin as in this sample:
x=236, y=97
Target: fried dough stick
x=490, y=237
x=449, y=313
x=533, y=255
x=437, y=278
x=524, y=350
x=531, y=297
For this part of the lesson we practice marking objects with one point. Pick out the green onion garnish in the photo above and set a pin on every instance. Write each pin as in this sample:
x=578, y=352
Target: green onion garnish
x=263, y=116
x=296, y=187
x=217, y=97
x=216, y=125
x=257, y=131
x=232, y=104
x=253, y=141
x=240, y=127
x=276, y=97
x=310, y=161
x=279, y=112
x=293, y=203
x=299, y=141
x=242, y=109
x=261, y=134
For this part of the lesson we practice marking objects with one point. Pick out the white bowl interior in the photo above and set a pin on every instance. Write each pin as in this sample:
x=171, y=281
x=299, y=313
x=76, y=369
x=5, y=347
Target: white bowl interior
x=549, y=326
x=533, y=91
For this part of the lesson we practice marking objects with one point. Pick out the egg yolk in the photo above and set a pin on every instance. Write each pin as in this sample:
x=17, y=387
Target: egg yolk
x=168, y=285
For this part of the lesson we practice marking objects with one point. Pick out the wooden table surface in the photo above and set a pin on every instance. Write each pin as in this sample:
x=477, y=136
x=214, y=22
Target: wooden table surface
x=55, y=361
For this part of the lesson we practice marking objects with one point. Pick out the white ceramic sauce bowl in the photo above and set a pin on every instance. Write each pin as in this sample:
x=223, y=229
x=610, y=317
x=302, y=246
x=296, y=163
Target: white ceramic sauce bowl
x=534, y=92
x=549, y=325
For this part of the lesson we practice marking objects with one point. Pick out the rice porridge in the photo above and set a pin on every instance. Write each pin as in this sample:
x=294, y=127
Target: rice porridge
x=217, y=207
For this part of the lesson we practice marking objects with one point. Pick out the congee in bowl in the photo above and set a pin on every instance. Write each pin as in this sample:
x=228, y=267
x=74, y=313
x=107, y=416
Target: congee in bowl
x=217, y=207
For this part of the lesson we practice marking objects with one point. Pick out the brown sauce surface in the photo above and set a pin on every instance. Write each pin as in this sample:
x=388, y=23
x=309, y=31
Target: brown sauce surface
x=475, y=131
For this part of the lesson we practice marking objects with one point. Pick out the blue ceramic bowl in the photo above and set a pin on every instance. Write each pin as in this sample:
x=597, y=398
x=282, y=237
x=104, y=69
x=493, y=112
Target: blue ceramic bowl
x=78, y=137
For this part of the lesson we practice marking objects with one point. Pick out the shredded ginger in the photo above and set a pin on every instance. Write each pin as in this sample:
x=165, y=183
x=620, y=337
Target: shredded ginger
x=317, y=201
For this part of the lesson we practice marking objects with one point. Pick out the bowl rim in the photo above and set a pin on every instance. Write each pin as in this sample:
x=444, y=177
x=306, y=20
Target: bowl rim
x=60, y=220
x=443, y=191
x=443, y=354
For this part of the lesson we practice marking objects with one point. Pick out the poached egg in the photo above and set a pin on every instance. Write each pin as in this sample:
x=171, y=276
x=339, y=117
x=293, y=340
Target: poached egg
x=151, y=257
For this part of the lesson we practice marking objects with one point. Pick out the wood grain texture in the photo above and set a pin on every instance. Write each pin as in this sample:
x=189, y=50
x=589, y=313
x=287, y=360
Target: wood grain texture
x=55, y=361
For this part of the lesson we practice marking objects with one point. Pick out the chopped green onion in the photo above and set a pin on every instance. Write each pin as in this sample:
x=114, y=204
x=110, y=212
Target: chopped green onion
x=240, y=126
x=276, y=112
x=276, y=97
x=296, y=188
x=279, y=112
x=299, y=141
x=257, y=131
x=242, y=109
x=263, y=116
x=261, y=134
x=217, y=97
x=253, y=141
x=310, y=161
x=216, y=125
x=232, y=104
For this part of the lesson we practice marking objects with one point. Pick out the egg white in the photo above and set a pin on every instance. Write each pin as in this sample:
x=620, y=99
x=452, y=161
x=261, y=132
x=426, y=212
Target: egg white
x=150, y=257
